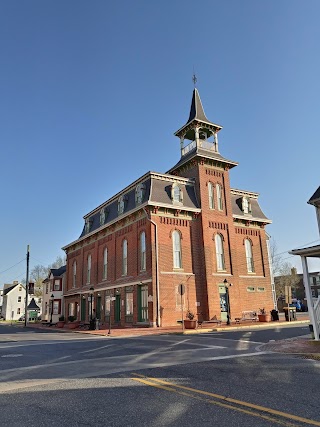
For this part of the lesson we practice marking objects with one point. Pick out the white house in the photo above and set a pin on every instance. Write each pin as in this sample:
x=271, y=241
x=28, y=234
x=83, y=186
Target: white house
x=311, y=252
x=13, y=303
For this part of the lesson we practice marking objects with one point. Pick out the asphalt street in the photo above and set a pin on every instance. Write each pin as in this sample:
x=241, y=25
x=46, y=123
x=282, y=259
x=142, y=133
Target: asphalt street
x=51, y=378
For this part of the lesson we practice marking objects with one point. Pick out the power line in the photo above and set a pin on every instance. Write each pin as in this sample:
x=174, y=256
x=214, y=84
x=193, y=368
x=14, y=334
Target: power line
x=305, y=244
x=12, y=266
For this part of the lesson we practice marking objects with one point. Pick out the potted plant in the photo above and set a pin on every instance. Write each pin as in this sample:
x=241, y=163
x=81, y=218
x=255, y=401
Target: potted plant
x=60, y=323
x=73, y=324
x=190, y=322
x=263, y=316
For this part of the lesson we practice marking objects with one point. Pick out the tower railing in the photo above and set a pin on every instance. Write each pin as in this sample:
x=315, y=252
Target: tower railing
x=202, y=143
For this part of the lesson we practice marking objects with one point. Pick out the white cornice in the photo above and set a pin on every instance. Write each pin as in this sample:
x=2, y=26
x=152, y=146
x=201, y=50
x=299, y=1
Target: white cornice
x=238, y=192
x=252, y=218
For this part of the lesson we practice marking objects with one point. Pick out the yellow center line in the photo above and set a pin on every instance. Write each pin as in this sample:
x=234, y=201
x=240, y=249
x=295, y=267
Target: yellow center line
x=230, y=400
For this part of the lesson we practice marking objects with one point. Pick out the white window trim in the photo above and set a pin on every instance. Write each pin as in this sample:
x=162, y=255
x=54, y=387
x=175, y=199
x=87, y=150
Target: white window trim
x=220, y=258
x=105, y=264
x=177, y=252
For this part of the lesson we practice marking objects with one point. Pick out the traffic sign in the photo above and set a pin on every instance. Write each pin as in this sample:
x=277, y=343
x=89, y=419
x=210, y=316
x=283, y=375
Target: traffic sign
x=181, y=289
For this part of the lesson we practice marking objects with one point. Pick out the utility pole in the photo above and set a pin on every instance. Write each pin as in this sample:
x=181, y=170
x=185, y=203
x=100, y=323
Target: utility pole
x=27, y=289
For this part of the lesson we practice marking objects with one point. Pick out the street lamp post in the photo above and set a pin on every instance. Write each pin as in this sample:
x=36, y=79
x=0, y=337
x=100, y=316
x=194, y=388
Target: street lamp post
x=91, y=308
x=226, y=286
x=52, y=298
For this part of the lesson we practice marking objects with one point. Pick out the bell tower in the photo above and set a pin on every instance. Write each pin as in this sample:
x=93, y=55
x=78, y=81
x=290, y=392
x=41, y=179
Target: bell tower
x=202, y=133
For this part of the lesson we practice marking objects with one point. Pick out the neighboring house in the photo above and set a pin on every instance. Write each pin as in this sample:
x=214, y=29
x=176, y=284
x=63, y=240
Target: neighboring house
x=297, y=287
x=186, y=226
x=13, y=305
x=310, y=286
x=52, y=295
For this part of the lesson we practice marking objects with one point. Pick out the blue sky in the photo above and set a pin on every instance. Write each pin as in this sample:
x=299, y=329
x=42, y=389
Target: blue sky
x=91, y=93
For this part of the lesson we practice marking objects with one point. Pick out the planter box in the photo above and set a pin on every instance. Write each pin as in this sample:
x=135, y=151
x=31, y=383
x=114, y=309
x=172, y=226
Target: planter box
x=60, y=324
x=73, y=325
x=190, y=324
x=264, y=317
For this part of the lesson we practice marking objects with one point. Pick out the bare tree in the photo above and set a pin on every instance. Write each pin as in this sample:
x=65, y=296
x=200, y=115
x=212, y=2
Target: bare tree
x=59, y=262
x=276, y=259
x=287, y=277
x=40, y=272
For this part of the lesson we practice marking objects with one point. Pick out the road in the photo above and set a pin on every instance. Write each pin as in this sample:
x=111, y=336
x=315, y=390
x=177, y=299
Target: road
x=66, y=379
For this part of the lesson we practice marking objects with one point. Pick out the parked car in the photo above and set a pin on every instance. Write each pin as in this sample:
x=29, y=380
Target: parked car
x=21, y=318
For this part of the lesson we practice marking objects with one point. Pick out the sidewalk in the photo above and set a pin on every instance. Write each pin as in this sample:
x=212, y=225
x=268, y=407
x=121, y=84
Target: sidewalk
x=302, y=346
x=118, y=332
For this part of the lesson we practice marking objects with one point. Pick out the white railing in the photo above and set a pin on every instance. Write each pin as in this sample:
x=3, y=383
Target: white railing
x=185, y=150
x=203, y=143
x=207, y=145
x=317, y=311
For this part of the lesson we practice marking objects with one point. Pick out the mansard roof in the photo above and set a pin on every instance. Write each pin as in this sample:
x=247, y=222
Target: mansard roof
x=199, y=152
x=156, y=192
x=256, y=213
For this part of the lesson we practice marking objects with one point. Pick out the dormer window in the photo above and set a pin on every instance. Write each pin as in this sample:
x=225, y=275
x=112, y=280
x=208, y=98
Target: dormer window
x=246, y=205
x=140, y=191
x=121, y=205
x=88, y=225
x=103, y=215
x=176, y=194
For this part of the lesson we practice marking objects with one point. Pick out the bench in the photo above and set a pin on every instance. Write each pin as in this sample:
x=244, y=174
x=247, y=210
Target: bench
x=84, y=326
x=213, y=320
x=247, y=316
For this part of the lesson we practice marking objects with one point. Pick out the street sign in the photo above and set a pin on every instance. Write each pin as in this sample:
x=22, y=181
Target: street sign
x=89, y=299
x=288, y=294
x=181, y=289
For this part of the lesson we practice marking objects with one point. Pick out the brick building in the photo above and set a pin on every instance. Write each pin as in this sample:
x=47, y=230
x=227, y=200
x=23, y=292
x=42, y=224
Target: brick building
x=186, y=226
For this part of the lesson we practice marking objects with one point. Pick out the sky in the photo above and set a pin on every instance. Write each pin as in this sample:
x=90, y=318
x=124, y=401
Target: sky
x=91, y=93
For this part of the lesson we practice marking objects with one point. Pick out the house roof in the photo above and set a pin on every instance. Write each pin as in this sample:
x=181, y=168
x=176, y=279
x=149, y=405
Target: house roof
x=256, y=212
x=32, y=305
x=311, y=251
x=9, y=289
x=58, y=271
x=315, y=198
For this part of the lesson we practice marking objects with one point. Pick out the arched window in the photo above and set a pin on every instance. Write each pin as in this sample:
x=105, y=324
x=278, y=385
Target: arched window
x=249, y=255
x=219, y=197
x=142, y=250
x=74, y=274
x=211, y=195
x=105, y=264
x=219, y=252
x=176, y=240
x=89, y=268
x=124, y=257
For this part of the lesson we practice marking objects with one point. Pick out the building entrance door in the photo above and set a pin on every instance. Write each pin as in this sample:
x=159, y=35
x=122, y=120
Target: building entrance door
x=117, y=308
x=143, y=315
x=223, y=303
x=98, y=308
x=83, y=310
